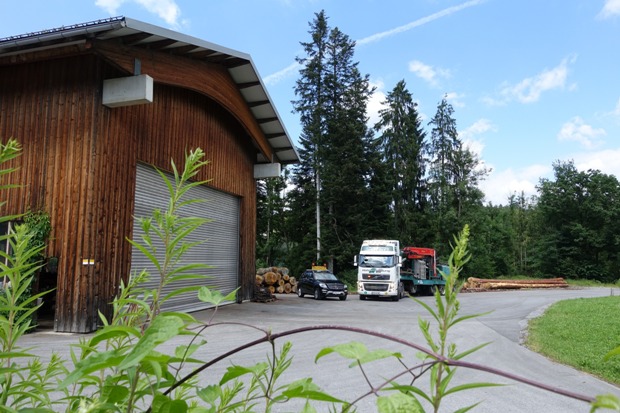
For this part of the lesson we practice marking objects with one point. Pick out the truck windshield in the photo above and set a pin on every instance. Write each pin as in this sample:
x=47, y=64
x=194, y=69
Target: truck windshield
x=376, y=260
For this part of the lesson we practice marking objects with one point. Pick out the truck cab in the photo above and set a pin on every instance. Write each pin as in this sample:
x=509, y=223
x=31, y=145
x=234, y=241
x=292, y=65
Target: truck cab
x=378, y=273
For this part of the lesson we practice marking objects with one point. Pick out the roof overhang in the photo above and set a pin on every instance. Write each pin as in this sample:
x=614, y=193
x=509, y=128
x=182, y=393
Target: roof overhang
x=239, y=65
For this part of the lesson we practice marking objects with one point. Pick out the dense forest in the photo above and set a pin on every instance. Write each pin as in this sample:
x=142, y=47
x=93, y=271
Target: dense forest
x=400, y=179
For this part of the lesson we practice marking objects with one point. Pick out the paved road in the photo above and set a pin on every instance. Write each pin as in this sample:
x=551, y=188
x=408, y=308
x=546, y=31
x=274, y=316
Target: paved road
x=502, y=328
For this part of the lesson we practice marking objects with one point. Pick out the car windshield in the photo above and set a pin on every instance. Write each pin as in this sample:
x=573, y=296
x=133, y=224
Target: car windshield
x=325, y=276
x=376, y=260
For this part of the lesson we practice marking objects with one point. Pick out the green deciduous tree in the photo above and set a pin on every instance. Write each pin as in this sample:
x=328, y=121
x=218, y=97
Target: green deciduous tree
x=579, y=223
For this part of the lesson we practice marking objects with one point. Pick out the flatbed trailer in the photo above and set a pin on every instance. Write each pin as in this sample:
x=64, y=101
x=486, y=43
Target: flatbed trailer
x=419, y=272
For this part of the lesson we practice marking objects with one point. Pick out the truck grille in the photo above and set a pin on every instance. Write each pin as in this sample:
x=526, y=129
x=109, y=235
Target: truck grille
x=367, y=276
x=375, y=287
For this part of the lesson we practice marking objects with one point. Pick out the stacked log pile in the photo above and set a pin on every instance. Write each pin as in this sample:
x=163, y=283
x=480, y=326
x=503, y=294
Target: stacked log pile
x=489, y=284
x=276, y=280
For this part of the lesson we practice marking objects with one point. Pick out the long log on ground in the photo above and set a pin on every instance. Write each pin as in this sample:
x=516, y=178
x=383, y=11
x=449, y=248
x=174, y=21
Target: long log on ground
x=495, y=284
x=530, y=281
x=511, y=286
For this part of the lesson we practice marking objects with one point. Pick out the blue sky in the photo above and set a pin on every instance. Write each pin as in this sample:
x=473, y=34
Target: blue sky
x=531, y=81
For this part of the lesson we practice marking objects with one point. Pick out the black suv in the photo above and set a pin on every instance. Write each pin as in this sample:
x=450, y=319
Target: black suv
x=321, y=284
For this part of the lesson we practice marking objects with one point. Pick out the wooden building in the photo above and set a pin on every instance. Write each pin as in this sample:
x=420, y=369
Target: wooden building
x=97, y=107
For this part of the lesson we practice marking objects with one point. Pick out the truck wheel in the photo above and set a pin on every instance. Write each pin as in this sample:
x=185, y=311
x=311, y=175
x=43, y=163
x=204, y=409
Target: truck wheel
x=413, y=289
x=362, y=297
x=440, y=288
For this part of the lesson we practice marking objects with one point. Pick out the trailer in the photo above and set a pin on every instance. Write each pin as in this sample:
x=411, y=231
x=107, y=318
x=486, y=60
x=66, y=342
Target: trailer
x=420, y=273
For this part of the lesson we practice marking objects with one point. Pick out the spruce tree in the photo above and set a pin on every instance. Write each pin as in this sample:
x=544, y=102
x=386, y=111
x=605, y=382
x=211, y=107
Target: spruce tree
x=402, y=143
x=332, y=99
x=454, y=175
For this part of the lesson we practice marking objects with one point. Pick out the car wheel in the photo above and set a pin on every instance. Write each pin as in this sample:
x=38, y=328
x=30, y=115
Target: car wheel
x=300, y=293
x=343, y=297
x=317, y=294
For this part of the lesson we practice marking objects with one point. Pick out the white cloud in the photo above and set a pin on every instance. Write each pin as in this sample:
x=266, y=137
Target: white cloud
x=375, y=104
x=419, y=22
x=616, y=111
x=605, y=161
x=168, y=10
x=455, y=99
x=530, y=89
x=500, y=185
x=470, y=135
x=276, y=77
x=110, y=6
x=578, y=131
x=430, y=74
x=610, y=9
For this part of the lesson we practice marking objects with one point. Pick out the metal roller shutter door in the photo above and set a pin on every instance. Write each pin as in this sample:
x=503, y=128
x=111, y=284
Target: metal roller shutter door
x=220, y=237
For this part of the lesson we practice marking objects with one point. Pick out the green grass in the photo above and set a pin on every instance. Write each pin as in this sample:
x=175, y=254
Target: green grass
x=579, y=333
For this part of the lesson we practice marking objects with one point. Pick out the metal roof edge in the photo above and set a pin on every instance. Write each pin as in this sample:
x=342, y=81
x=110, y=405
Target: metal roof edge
x=97, y=27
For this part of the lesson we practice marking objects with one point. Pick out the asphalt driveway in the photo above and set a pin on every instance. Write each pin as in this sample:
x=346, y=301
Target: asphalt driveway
x=502, y=329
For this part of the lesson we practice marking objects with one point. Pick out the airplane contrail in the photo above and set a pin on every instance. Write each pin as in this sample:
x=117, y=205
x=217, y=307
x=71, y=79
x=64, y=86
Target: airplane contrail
x=281, y=74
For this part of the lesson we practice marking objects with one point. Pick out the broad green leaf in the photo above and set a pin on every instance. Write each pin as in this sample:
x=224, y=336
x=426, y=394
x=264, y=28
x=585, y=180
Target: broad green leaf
x=162, y=329
x=398, y=403
x=110, y=332
x=163, y=404
x=306, y=389
x=353, y=350
x=215, y=297
x=234, y=372
x=115, y=393
x=95, y=362
x=184, y=351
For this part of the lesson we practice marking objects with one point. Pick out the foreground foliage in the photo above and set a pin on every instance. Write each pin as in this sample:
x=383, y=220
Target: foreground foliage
x=122, y=368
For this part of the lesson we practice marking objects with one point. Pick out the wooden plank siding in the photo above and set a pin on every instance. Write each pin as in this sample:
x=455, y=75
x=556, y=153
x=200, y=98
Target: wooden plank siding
x=79, y=163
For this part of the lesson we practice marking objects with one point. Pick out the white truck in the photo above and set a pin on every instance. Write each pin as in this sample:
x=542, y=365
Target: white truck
x=383, y=270
x=378, y=272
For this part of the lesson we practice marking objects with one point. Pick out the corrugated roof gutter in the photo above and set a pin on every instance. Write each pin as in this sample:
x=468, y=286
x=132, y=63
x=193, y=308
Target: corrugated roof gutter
x=62, y=33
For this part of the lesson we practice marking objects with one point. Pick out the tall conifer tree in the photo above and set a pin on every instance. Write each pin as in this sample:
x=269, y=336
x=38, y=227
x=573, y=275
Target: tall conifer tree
x=332, y=99
x=402, y=143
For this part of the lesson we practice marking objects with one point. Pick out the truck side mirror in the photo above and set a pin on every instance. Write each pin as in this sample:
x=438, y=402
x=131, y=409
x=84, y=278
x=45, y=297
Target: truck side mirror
x=355, y=260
